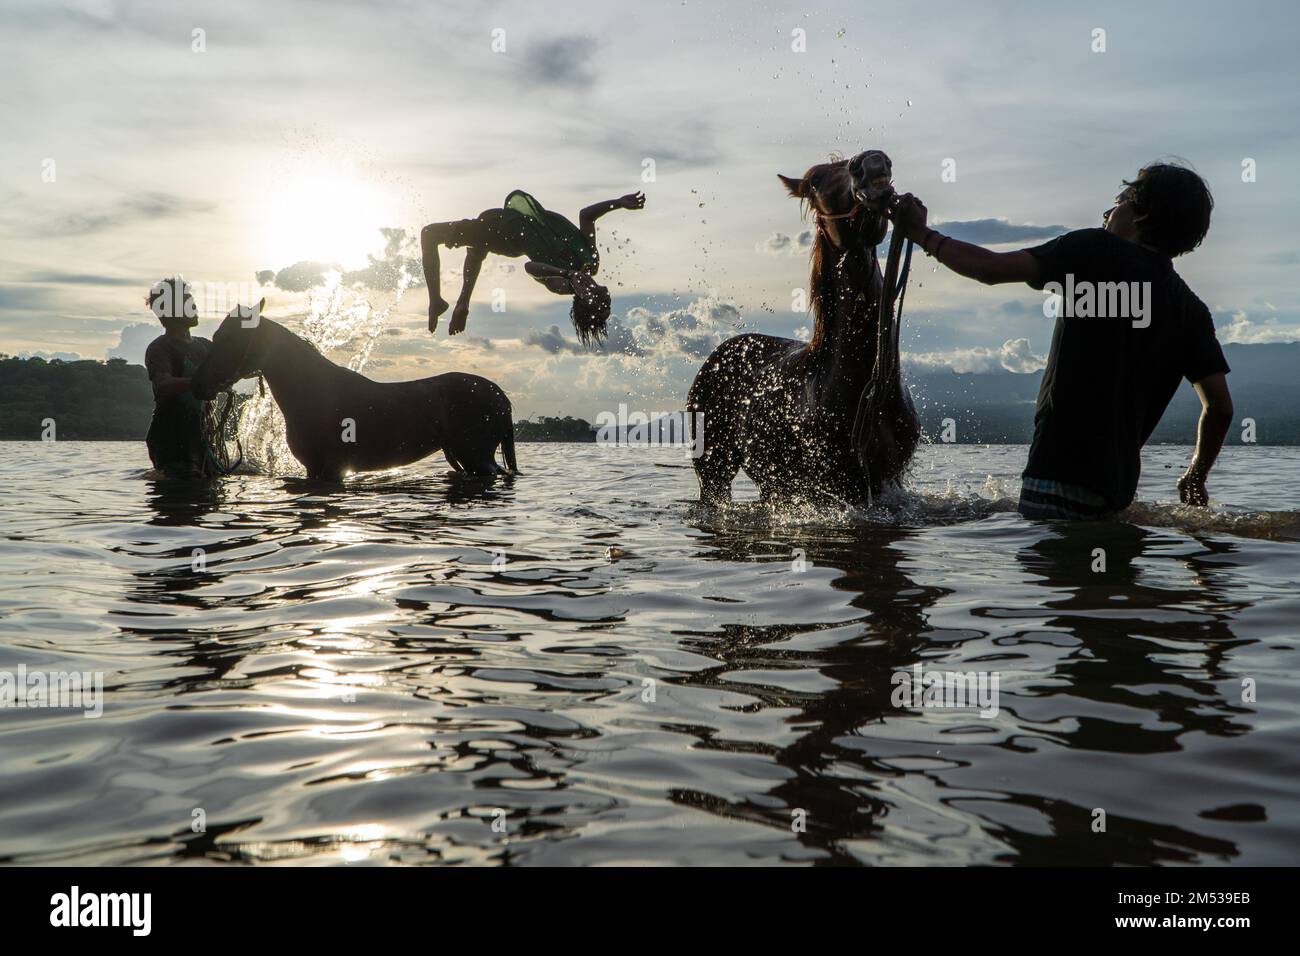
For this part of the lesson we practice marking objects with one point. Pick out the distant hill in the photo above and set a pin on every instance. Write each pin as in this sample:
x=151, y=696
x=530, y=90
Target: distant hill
x=113, y=401
x=999, y=406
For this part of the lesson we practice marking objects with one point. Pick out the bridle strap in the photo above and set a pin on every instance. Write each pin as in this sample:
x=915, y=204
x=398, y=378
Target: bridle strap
x=841, y=215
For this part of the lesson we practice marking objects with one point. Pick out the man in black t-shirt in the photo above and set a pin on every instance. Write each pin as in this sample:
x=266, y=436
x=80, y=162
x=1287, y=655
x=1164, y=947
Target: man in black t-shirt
x=176, y=443
x=1128, y=330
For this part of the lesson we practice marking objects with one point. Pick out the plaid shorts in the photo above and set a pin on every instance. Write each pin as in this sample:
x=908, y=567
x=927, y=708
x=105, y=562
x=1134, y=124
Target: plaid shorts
x=1040, y=498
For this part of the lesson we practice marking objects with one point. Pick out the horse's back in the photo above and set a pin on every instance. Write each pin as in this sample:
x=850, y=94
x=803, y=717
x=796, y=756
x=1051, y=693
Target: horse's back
x=740, y=361
x=465, y=385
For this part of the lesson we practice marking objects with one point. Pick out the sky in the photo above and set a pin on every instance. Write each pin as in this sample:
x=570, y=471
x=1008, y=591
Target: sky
x=221, y=141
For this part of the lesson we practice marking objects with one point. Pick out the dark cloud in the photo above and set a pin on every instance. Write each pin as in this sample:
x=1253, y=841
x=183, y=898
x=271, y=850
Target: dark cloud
x=618, y=340
x=561, y=61
x=77, y=278
x=991, y=232
x=552, y=340
x=26, y=297
x=145, y=207
x=681, y=142
x=302, y=276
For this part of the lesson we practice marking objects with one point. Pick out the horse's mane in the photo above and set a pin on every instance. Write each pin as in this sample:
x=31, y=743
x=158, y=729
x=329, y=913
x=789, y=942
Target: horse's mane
x=819, y=279
x=818, y=291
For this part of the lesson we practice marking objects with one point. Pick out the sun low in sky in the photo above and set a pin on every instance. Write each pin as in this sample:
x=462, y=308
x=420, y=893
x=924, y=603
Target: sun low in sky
x=322, y=210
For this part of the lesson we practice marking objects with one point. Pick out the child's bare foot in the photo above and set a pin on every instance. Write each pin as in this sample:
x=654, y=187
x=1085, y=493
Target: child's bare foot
x=436, y=308
x=458, y=319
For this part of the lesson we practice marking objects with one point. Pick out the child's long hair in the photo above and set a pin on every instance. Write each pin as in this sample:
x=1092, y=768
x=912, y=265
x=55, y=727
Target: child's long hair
x=590, y=311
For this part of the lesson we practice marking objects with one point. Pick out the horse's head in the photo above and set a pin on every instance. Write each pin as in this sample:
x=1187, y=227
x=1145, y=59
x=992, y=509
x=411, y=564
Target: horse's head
x=239, y=349
x=849, y=197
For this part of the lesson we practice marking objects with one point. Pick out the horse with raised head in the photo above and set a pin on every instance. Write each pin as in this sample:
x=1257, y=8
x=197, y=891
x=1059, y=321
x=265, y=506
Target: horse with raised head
x=828, y=418
x=337, y=421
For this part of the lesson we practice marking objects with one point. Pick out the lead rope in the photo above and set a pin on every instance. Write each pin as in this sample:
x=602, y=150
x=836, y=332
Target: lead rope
x=889, y=292
x=214, y=429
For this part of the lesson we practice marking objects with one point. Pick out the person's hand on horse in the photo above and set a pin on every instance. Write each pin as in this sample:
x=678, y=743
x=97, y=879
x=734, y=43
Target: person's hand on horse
x=909, y=214
x=1191, y=489
x=632, y=201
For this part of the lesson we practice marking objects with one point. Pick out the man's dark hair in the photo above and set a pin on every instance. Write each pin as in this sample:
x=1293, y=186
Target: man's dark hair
x=1176, y=205
x=172, y=301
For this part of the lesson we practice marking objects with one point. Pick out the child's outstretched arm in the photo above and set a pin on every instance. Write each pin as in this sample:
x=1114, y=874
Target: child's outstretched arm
x=587, y=218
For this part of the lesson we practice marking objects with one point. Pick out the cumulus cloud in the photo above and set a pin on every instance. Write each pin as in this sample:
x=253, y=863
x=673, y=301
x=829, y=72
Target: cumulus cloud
x=690, y=333
x=1242, y=331
x=780, y=244
x=387, y=272
x=134, y=339
x=1013, y=355
x=393, y=269
x=302, y=276
x=51, y=356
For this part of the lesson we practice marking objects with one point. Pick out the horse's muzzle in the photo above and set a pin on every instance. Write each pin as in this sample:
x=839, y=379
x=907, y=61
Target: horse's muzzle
x=871, y=173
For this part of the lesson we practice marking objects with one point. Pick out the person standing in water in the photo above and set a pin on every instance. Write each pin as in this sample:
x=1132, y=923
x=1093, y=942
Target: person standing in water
x=176, y=444
x=561, y=256
x=1119, y=352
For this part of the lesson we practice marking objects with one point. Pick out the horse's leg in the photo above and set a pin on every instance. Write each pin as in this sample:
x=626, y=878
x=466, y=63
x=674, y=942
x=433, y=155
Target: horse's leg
x=719, y=453
x=716, y=469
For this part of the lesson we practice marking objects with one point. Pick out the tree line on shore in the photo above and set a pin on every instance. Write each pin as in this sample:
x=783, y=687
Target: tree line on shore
x=91, y=400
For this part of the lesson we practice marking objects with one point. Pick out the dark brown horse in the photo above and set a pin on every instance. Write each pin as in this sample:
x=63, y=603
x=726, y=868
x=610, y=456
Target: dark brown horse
x=337, y=421
x=827, y=418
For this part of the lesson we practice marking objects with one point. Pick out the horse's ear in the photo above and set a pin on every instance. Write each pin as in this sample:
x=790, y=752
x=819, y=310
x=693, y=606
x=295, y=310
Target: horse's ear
x=795, y=186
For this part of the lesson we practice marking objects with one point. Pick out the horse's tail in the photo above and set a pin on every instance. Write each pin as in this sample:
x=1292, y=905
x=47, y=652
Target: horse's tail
x=508, y=447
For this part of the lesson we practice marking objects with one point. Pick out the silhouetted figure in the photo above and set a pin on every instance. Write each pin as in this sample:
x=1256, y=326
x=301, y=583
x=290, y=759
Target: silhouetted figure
x=175, y=439
x=337, y=421
x=829, y=418
x=1112, y=371
x=561, y=256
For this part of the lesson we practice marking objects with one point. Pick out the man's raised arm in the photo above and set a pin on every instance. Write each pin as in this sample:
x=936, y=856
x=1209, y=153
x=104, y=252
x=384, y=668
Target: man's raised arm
x=964, y=258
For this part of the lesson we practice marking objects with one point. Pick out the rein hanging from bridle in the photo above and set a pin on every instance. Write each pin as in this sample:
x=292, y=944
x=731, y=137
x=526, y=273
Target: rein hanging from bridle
x=214, y=430
x=214, y=437
x=894, y=287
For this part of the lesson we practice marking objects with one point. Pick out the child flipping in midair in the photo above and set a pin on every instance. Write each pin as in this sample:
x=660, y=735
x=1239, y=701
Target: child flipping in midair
x=561, y=256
